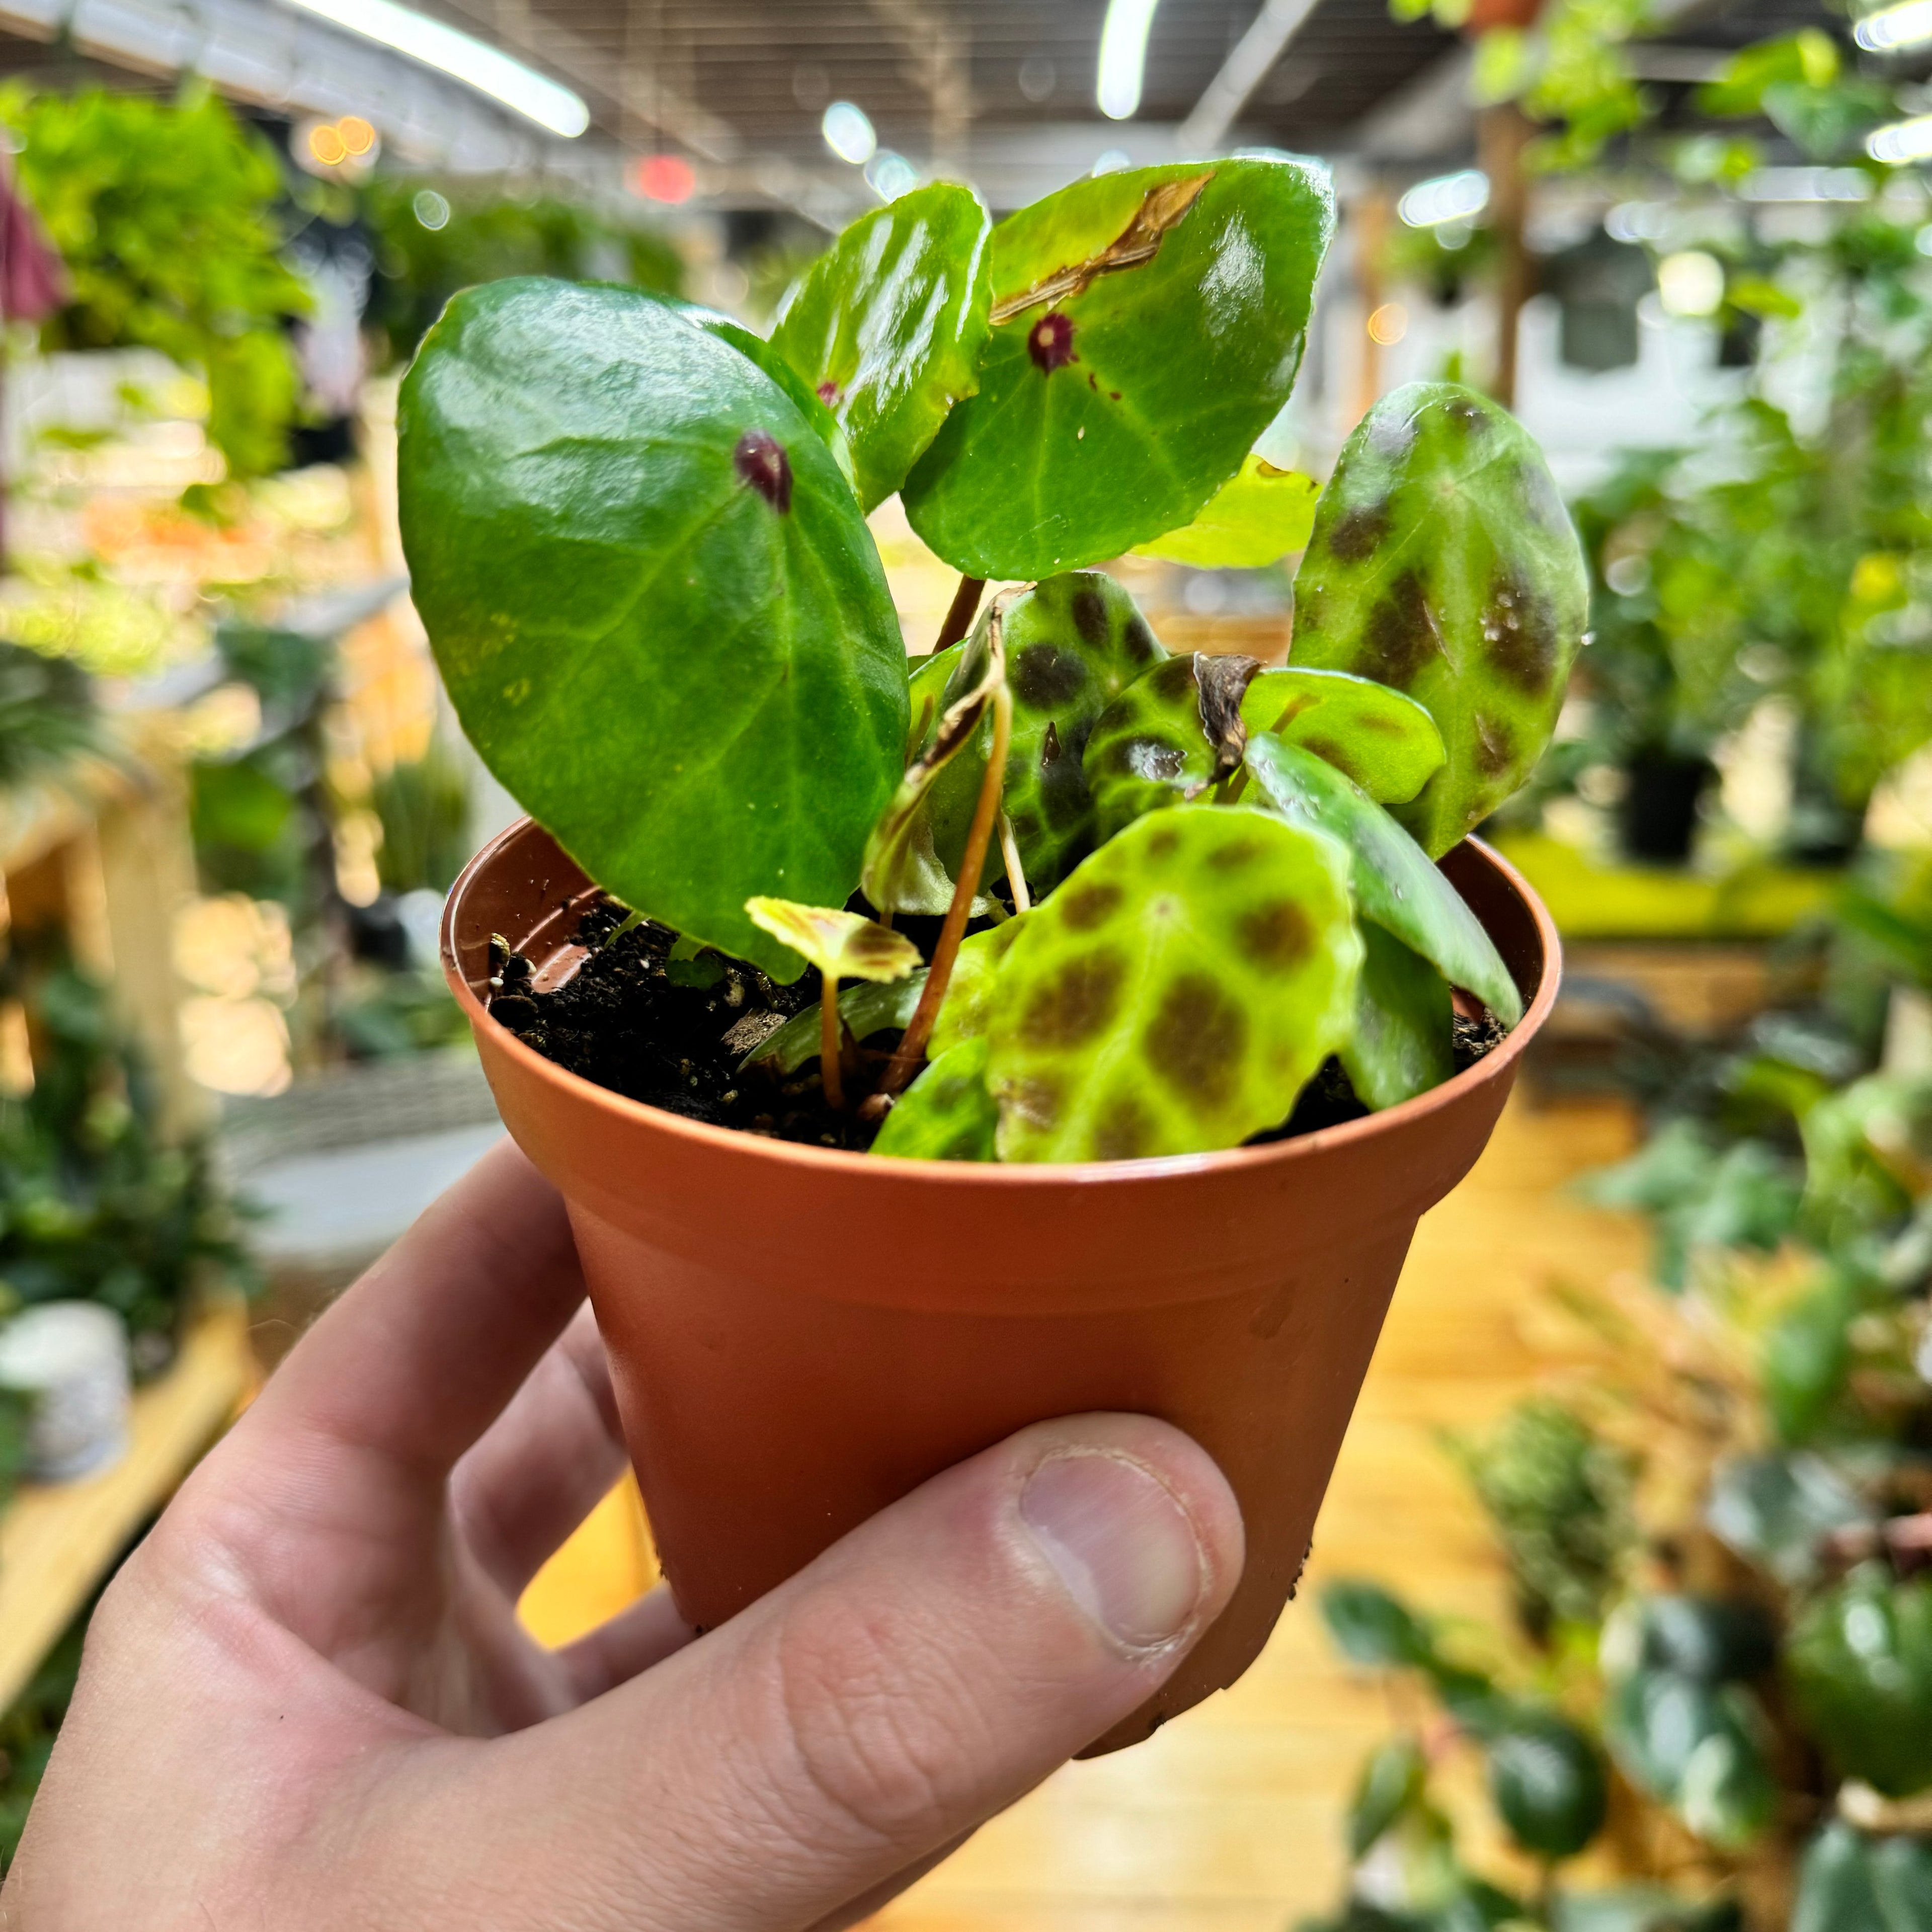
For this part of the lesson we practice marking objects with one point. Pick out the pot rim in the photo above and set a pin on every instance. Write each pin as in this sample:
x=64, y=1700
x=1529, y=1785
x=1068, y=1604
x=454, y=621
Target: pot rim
x=700, y=1134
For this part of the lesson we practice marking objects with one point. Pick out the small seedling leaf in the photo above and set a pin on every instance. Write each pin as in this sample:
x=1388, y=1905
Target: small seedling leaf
x=842, y=945
x=919, y=840
x=887, y=325
x=1147, y=327
x=967, y=1011
x=1394, y=881
x=1387, y=742
x=868, y=1007
x=591, y=488
x=946, y=1114
x=1167, y=737
x=1175, y=995
x=1254, y=519
x=1444, y=563
x=1402, y=1041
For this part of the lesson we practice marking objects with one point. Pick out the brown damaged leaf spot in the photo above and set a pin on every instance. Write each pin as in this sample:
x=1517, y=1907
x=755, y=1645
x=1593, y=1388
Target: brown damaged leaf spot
x=1223, y=682
x=1496, y=749
x=1401, y=634
x=1079, y=1003
x=1085, y=907
x=1160, y=210
x=1277, y=935
x=1039, y=1098
x=760, y=460
x=1196, y=1040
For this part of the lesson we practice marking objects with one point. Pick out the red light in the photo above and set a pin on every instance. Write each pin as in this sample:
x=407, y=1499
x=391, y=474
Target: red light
x=666, y=178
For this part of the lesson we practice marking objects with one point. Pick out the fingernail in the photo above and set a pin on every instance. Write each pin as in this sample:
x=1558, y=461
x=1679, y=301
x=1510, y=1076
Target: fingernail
x=1120, y=1542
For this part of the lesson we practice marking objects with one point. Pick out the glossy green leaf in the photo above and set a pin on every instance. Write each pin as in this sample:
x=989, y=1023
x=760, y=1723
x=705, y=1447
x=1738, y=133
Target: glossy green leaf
x=1391, y=1784
x=1372, y=1627
x=1167, y=737
x=1717, y=1640
x=654, y=601
x=1444, y=564
x=842, y=945
x=966, y=1012
x=804, y=398
x=1901, y=1870
x=1697, y=1747
x=888, y=324
x=1548, y=1783
x=1177, y=992
x=1642, y=1908
x=1147, y=327
x=946, y=1114
x=867, y=1006
x=1394, y=881
x=1387, y=742
x=1859, y=1663
x=1254, y=519
x=917, y=847
x=1777, y=1511
x=1403, y=1042
x=1836, y=1892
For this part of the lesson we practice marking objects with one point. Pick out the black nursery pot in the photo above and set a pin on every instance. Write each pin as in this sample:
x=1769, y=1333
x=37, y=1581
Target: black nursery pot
x=1657, y=818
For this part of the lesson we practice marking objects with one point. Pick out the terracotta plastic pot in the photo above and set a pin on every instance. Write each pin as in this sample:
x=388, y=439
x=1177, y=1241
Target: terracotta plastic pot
x=799, y=1337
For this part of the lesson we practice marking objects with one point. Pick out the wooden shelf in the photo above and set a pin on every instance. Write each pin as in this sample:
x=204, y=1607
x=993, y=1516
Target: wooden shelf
x=57, y=1539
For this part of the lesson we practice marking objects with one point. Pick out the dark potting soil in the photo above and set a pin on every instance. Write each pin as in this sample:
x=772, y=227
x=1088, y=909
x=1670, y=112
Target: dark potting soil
x=674, y=1032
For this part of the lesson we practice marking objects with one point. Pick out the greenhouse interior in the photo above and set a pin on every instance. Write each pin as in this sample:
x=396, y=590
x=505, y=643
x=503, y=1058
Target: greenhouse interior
x=1244, y=691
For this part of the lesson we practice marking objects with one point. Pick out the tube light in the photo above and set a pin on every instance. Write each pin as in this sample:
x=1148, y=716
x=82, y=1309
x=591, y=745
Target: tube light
x=1124, y=44
x=1903, y=141
x=1445, y=198
x=462, y=57
x=1892, y=28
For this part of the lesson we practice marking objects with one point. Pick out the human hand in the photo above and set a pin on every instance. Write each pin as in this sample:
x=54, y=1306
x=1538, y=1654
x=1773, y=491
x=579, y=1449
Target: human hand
x=306, y=1701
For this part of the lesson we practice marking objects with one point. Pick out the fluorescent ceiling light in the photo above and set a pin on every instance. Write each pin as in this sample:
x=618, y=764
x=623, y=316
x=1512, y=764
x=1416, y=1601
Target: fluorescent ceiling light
x=1446, y=198
x=848, y=132
x=1892, y=28
x=1903, y=141
x=461, y=56
x=1123, y=44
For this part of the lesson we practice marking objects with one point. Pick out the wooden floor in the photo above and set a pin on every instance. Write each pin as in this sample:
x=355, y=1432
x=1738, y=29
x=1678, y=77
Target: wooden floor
x=1229, y=1819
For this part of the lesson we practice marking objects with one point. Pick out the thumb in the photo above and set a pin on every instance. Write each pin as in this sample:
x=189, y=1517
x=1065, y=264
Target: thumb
x=918, y=1678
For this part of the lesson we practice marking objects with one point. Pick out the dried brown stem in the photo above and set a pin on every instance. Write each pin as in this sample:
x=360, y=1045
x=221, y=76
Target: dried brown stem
x=911, y=1048
x=960, y=613
x=829, y=1043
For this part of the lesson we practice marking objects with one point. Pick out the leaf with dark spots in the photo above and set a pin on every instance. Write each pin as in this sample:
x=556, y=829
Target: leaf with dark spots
x=1442, y=564
x=1387, y=742
x=1223, y=682
x=946, y=1114
x=906, y=869
x=1253, y=519
x=575, y=518
x=963, y=1015
x=887, y=325
x=1403, y=1040
x=1172, y=733
x=1177, y=991
x=1181, y=296
x=1393, y=880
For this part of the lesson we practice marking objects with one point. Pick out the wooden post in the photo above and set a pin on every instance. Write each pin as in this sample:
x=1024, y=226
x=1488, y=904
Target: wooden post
x=1371, y=217
x=1502, y=133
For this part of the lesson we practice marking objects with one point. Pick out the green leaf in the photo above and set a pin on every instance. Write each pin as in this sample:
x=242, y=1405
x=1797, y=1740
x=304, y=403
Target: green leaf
x=1391, y=1784
x=654, y=601
x=1642, y=1908
x=1836, y=1892
x=1715, y=1640
x=1394, y=884
x=804, y=398
x=887, y=326
x=1372, y=1627
x=1177, y=991
x=1444, y=563
x=1548, y=1783
x=1775, y=1510
x=842, y=945
x=1402, y=1044
x=966, y=1012
x=946, y=1114
x=1859, y=1663
x=1147, y=327
x=1697, y=1747
x=1254, y=519
x=866, y=1007
x=1806, y=1354
x=1388, y=743
x=1901, y=1870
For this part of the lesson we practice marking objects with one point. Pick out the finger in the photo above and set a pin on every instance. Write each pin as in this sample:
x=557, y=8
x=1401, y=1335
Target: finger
x=417, y=1359
x=916, y=1678
x=636, y=1639
x=545, y=1463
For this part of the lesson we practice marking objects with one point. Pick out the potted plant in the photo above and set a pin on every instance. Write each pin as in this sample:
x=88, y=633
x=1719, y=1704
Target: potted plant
x=1149, y=951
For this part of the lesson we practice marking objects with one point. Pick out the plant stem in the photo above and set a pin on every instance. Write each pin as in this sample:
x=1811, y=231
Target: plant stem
x=911, y=1048
x=959, y=617
x=1010, y=850
x=829, y=1043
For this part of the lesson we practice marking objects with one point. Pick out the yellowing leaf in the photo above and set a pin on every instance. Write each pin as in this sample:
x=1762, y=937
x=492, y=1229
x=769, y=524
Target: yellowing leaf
x=842, y=945
x=1256, y=517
